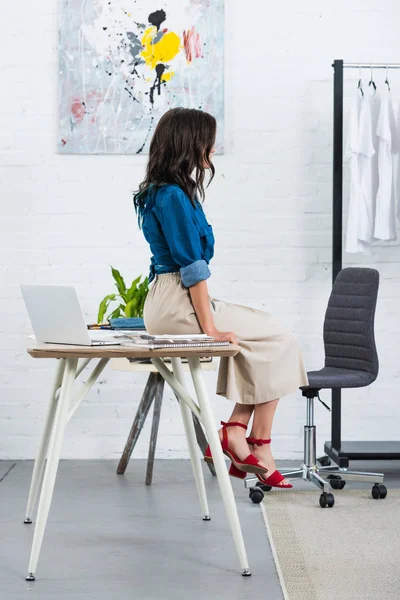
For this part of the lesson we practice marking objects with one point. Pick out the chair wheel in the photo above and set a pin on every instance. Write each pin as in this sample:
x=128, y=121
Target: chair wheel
x=256, y=495
x=326, y=500
x=325, y=461
x=336, y=483
x=379, y=491
x=264, y=486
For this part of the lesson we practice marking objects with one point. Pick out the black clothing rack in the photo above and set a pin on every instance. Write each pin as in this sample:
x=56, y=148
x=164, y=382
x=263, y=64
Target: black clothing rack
x=341, y=452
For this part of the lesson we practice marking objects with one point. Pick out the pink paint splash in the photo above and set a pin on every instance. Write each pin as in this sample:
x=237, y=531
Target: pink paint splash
x=78, y=110
x=192, y=44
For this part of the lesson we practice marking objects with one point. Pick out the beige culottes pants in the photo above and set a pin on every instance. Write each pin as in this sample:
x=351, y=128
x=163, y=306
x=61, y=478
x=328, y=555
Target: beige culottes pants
x=270, y=364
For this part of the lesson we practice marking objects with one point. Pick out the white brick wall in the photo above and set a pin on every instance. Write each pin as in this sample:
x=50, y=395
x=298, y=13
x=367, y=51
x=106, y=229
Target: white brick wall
x=270, y=206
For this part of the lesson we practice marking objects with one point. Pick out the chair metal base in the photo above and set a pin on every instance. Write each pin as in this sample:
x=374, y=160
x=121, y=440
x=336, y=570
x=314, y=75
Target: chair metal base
x=312, y=471
x=322, y=476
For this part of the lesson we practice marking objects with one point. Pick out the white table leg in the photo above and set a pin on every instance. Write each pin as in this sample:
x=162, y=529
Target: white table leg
x=38, y=469
x=87, y=386
x=53, y=458
x=178, y=388
x=219, y=462
x=192, y=442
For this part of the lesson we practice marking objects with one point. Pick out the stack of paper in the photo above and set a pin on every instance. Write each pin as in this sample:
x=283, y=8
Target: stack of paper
x=164, y=338
x=167, y=340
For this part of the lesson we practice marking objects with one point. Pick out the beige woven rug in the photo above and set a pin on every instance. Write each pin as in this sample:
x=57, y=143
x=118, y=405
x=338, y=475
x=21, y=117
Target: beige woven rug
x=348, y=552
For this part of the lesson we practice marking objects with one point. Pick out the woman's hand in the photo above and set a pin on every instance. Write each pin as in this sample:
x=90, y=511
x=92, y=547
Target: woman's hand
x=200, y=300
x=223, y=336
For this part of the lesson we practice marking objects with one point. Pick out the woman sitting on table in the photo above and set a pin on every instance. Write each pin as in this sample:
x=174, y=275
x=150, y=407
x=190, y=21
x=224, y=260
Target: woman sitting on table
x=181, y=240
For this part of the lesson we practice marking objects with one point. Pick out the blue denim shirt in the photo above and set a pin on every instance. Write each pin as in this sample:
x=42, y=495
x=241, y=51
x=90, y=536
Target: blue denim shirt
x=179, y=235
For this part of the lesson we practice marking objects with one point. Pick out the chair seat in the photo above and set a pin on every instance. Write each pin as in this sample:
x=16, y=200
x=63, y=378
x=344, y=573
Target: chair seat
x=333, y=377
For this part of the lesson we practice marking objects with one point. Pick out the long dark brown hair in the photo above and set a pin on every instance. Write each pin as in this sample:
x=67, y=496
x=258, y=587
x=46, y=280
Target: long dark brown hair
x=180, y=147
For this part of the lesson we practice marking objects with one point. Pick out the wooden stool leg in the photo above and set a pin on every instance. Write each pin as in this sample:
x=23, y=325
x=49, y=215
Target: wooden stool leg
x=154, y=427
x=202, y=441
x=140, y=417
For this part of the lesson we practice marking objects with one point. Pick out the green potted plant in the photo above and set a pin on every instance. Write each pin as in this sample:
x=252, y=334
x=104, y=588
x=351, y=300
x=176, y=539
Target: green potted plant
x=130, y=299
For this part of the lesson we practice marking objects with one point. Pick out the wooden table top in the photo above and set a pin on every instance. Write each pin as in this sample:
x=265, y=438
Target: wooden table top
x=42, y=350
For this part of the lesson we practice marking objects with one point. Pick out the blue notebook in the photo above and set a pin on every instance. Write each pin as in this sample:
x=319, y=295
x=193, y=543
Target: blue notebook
x=127, y=323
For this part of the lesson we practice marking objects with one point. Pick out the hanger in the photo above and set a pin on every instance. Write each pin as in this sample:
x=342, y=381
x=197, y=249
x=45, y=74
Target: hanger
x=359, y=85
x=387, y=80
x=372, y=82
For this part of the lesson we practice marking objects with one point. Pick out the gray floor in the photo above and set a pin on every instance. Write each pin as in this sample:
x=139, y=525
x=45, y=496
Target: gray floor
x=110, y=536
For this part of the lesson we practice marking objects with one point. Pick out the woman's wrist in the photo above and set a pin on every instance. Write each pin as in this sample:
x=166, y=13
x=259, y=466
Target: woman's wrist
x=212, y=330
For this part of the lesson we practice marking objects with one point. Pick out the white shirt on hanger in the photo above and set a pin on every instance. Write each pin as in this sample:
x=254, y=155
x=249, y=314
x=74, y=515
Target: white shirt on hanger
x=351, y=154
x=385, y=213
x=360, y=150
x=396, y=164
x=368, y=164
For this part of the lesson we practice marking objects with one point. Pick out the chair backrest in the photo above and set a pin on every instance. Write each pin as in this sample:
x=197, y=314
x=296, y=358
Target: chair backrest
x=349, y=321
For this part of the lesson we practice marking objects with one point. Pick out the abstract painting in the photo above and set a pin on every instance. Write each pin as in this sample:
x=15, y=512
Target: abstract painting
x=124, y=63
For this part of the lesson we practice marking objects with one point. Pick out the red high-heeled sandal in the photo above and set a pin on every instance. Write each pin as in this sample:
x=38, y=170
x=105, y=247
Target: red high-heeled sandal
x=275, y=478
x=235, y=472
x=249, y=465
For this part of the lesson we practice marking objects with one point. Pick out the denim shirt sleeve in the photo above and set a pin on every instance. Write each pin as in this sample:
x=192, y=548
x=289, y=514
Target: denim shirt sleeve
x=174, y=213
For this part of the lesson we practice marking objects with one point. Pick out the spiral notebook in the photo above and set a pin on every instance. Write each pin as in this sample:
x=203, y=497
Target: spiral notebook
x=155, y=346
x=156, y=342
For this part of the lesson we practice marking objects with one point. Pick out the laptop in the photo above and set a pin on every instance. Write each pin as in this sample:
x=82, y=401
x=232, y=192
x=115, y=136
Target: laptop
x=56, y=317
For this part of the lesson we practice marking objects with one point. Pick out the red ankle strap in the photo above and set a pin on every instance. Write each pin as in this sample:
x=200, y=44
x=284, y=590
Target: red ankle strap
x=225, y=433
x=232, y=423
x=257, y=441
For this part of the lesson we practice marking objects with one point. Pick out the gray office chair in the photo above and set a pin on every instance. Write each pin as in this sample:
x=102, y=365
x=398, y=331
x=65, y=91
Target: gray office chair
x=351, y=361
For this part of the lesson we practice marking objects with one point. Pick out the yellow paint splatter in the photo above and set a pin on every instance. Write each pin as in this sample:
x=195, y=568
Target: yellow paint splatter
x=167, y=75
x=161, y=52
